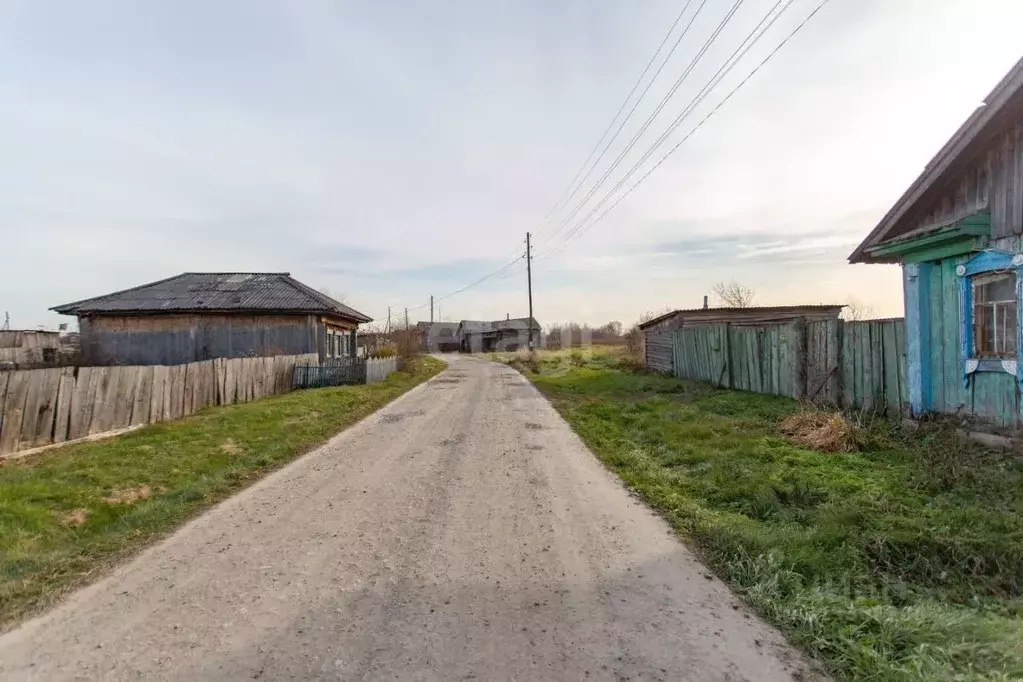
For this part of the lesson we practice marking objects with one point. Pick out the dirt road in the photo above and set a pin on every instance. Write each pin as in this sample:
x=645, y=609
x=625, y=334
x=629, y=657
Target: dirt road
x=463, y=532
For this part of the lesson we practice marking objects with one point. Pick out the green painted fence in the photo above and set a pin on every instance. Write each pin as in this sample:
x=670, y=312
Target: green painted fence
x=856, y=365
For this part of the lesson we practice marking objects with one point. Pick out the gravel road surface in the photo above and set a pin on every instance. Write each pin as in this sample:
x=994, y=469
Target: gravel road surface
x=463, y=532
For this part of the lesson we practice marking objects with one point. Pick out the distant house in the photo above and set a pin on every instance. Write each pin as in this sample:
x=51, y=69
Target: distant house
x=438, y=337
x=510, y=334
x=657, y=337
x=204, y=315
x=28, y=347
x=957, y=232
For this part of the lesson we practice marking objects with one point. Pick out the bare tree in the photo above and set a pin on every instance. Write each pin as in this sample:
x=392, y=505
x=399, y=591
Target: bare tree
x=340, y=298
x=734, y=295
x=856, y=310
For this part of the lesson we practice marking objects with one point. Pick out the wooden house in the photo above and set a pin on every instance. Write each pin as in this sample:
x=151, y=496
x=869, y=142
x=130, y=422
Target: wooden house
x=657, y=333
x=200, y=316
x=509, y=334
x=957, y=232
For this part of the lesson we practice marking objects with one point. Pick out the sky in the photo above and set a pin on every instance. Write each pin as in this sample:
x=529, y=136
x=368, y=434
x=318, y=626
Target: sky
x=386, y=151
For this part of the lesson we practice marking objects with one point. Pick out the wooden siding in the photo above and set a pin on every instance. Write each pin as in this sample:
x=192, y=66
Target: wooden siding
x=40, y=407
x=658, y=350
x=26, y=346
x=176, y=339
x=991, y=396
x=994, y=182
x=859, y=365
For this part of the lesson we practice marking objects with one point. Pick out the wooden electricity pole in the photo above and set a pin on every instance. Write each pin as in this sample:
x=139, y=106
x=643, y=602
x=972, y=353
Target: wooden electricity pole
x=529, y=284
x=431, y=308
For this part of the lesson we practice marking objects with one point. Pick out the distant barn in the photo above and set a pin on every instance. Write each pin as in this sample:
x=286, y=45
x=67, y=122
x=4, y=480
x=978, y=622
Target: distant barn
x=202, y=315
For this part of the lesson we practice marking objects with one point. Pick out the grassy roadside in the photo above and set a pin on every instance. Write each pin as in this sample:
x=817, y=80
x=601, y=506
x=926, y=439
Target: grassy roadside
x=67, y=515
x=902, y=561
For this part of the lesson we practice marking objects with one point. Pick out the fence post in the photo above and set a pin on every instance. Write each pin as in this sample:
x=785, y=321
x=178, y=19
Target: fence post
x=728, y=355
x=799, y=358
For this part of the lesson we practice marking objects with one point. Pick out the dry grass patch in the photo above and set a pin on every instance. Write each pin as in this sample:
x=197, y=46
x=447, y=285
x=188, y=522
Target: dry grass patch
x=821, y=431
x=230, y=447
x=75, y=517
x=129, y=495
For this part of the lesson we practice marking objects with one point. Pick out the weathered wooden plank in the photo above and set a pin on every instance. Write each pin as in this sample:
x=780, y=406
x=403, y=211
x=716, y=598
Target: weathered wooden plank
x=4, y=378
x=158, y=403
x=950, y=370
x=142, y=396
x=105, y=397
x=14, y=410
x=62, y=416
x=125, y=396
x=866, y=353
x=81, y=404
x=890, y=367
x=189, y=380
x=849, y=367
x=937, y=341
x=46, y=410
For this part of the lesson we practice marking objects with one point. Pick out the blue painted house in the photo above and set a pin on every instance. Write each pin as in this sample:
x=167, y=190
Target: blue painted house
x=958, y=234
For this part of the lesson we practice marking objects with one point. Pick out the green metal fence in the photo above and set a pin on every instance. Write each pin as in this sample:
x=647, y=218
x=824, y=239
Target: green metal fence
x=333, y=372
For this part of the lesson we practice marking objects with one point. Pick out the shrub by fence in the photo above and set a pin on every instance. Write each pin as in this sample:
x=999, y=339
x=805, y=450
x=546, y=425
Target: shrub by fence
x=45, y=406
x=859, y=365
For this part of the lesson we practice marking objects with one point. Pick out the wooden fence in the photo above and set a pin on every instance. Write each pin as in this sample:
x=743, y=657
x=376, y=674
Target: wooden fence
x=857, y=365
x=378, y=369
x=44, y=406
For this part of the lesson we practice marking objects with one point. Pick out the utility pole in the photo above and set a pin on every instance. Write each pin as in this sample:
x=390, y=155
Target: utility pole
x=431, y=308
x=406, y=319
x=387, y=330
x=529, y=283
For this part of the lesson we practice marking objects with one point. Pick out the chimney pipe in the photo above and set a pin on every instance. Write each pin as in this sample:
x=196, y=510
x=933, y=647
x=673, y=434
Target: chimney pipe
x=705, y=302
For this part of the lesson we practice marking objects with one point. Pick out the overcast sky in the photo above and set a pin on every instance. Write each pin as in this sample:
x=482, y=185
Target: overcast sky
x=388, y=150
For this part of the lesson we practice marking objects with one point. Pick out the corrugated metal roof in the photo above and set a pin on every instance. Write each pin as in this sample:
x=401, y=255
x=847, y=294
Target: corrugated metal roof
x=196, y=292
x=781, y=310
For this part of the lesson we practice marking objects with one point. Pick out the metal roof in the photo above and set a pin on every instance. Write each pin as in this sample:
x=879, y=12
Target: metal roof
x=999, y=109
x=486, y=327
x=780, y=310
x=198, y=292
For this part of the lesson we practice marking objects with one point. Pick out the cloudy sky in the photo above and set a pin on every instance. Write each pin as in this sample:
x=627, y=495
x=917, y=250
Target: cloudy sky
x=386, y=150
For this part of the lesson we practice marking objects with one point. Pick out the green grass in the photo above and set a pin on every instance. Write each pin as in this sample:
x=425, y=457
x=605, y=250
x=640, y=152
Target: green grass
x=902, y=562
x=58, y=532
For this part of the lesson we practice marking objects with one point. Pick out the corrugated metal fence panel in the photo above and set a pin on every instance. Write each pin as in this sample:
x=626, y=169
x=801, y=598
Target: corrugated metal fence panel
x=659, y=351
x=332, y=372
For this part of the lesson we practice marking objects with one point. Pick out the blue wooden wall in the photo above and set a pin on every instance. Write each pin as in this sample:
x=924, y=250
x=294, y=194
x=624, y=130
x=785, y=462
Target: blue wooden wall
x=990, y=395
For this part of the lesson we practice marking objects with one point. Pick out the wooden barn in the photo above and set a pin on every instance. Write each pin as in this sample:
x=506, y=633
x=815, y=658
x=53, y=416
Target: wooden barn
x=957, y=232
x=657, y=333
x=509, y=334
x=204, y=315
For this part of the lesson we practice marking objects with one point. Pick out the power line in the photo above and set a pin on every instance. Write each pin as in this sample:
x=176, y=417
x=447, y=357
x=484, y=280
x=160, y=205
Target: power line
x=578, y=230
x=563, y=200
x=723, y=71
x=650, y=119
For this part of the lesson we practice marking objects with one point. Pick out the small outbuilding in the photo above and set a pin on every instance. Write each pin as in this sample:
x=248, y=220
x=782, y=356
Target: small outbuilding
x=204, y=315
x=438, y=337
x=657, y=333
x=957, y=233
x=510, y=334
